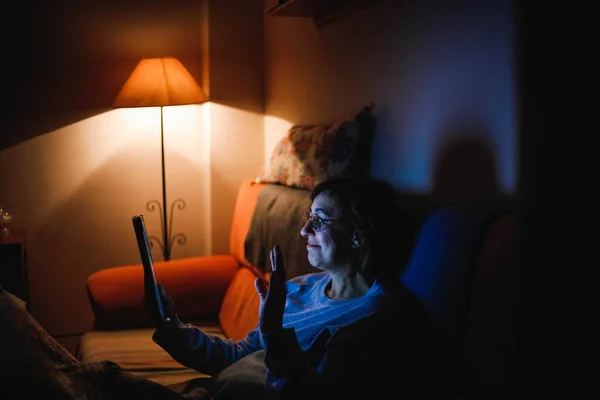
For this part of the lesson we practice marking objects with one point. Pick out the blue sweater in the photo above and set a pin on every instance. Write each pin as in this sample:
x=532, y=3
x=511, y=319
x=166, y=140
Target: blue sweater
x=308, y=312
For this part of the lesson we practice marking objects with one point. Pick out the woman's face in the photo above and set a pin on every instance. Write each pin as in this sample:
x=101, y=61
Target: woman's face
x=329, y=245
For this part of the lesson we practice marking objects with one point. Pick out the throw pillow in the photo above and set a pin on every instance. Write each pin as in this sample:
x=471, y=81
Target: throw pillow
x=310, y=154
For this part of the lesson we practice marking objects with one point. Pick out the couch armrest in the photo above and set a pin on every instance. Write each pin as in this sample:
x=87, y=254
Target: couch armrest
x=197, y=286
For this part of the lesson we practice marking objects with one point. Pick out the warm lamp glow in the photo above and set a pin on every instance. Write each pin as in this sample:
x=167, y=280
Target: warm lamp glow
x=159, y=82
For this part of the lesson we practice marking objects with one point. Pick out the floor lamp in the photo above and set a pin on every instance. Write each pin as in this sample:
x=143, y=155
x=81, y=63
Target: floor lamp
x=160, y=82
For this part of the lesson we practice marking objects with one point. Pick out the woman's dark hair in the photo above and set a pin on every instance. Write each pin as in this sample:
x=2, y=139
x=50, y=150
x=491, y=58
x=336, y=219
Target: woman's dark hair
x=372, y=207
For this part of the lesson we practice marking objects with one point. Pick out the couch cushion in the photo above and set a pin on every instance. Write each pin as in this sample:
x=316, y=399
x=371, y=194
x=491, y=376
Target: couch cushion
x=278, y=220
x=239, y=311
x=442, y=262
x=136, y=353
x=242, y=216
x=197, y=286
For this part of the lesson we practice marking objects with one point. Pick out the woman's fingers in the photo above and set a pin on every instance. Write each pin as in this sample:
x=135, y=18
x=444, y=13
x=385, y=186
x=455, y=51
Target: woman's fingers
x=167, y=302
x=276, y=259
x=272, y=296
x=279, y=262
x=261, y=288
x=278, y=273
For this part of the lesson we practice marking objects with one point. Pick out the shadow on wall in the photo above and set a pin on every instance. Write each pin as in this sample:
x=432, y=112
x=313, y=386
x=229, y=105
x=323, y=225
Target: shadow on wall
x=92, y=230
x=236, y=61
x=70, y=59
x=465, y=171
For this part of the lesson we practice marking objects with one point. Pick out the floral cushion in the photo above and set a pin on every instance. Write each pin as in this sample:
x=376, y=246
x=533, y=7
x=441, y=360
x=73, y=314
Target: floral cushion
x=310, y=154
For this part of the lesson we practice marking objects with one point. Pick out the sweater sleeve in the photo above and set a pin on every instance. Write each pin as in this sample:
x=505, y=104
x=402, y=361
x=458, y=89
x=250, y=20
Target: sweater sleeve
x=205, y=353
x=294, y=374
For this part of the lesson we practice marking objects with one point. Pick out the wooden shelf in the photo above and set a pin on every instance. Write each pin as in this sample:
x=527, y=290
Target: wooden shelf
x=322, y=12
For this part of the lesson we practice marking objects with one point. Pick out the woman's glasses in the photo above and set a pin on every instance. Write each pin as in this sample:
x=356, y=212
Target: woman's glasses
x=317, y=222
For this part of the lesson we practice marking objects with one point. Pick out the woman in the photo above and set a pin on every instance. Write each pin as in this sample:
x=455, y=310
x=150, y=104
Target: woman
x=310, y=340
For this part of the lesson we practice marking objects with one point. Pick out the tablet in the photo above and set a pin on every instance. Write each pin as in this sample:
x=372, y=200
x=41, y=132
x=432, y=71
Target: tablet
x=151, y=289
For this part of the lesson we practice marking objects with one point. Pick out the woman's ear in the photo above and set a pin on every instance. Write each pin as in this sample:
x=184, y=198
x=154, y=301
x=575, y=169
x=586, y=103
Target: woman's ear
x=357, y=239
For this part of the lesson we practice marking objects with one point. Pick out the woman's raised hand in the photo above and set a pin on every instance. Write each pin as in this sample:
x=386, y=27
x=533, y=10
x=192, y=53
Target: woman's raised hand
x=272, y=298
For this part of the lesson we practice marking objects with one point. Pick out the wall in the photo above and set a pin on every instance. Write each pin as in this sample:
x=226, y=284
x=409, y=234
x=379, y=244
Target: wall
x=73, y=171
x=441, y=76
x=236, y=69
x=69, y=59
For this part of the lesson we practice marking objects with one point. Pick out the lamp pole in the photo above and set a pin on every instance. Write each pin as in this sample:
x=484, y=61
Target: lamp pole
x=167, y=241
x=167, y=245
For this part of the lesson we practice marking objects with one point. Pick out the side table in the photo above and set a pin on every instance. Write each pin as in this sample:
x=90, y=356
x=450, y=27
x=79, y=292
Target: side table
x=13, y=264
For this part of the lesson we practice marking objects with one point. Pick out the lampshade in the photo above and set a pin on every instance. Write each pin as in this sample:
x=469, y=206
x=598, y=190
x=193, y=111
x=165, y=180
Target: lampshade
x=159, y=82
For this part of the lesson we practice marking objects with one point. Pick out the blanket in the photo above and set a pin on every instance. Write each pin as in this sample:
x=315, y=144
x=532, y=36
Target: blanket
x=277, y=219
x=34, y=365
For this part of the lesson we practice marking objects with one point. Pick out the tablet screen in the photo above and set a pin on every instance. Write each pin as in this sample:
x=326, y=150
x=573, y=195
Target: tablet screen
x=151, y=289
